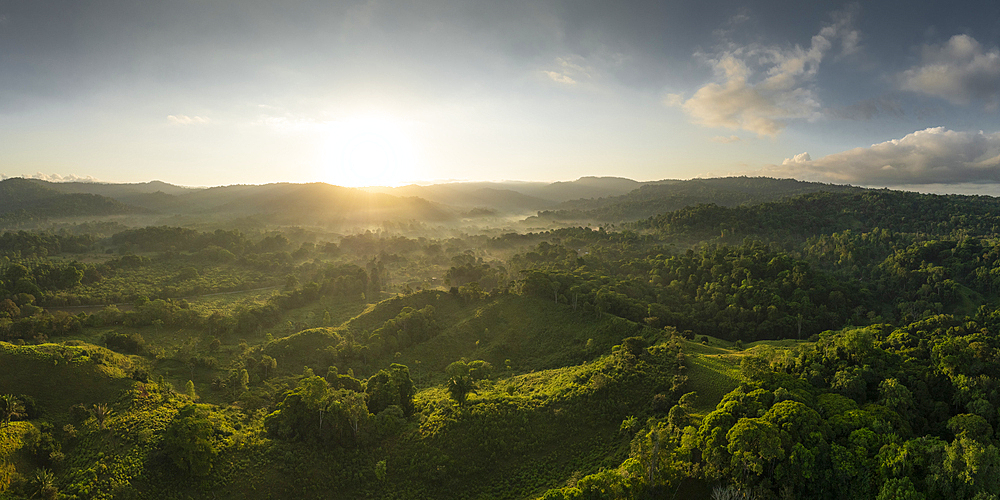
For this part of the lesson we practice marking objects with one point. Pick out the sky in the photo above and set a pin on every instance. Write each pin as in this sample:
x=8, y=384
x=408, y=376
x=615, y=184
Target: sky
x=218, y=92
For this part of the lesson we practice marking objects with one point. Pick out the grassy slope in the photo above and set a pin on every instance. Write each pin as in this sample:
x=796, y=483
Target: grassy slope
x=520, y=434
x=714, y=369
x=531, y=333
x=552, y=417
x=59, y=376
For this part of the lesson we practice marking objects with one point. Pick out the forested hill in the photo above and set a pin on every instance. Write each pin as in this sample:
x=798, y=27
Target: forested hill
x=825, y=213
x=115, y=190
x=828, y=345
x=585, y=200
x=284, y=203
x=23, y=199
x=669, y=195
x=472, y=195
x=294, y=201
x=157, y=196
x=515, y=196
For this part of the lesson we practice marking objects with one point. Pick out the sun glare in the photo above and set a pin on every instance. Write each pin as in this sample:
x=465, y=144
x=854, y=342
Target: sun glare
x=367, y=151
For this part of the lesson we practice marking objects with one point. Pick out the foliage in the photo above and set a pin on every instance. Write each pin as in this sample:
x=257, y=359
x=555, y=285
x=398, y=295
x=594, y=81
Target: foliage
x=188, y=441
x=847, y=348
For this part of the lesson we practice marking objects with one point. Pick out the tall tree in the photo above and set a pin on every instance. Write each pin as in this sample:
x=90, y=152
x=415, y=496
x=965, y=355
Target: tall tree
x=10, y=408
x=459, y=387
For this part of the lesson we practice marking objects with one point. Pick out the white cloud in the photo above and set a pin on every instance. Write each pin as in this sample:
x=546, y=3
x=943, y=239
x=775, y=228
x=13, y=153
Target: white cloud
x=560, y=78
x=672, y=100
x=726, y=140
x=799, y=158
x=54, y=177
x=187, y=120
x=960, y=71
x=759, y=88
x=931, y=156
x=570, y=70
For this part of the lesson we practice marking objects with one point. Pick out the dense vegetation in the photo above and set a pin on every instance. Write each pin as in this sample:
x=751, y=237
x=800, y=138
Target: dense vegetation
x=835, y=344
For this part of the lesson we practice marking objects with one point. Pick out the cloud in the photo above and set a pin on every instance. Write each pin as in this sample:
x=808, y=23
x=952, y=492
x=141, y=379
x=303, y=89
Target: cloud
x=740, y=99
x=560, y=78
x=799, y=158
x=960, y=71
x=672, y=100
x=869, y=108
x=930, y=156
x=570, y=70
x=843, y=28
x=726, y=140
x=53, y=177
x=187, y=120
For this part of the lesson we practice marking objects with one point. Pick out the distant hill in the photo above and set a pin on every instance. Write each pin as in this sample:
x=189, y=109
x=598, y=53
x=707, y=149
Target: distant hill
x=119, y=190
x=472, y=195
x=588, y=187
x=665, y=196
x=585, y=200
x=314, y=201
x=515, y=196
x=280, y=202
x=157, y=196
x=31, y=199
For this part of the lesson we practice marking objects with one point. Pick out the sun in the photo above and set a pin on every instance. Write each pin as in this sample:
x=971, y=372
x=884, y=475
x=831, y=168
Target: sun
x=369, y=150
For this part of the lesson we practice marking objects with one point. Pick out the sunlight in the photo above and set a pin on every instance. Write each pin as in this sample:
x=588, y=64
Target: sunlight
x=370, y=150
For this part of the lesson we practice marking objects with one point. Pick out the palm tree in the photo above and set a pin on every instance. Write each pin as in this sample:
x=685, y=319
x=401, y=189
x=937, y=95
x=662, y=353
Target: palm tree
x=101, y=413
x=459, y=387
x=10, y=407
x=44, y=484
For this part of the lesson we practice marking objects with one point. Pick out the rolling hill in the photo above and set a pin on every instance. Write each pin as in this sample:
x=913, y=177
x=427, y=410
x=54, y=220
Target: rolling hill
x=666, y=196
x=23, y=199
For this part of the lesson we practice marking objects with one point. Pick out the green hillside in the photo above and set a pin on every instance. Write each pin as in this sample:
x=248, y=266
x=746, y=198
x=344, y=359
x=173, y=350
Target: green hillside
x=563, y=420
x=823, y=346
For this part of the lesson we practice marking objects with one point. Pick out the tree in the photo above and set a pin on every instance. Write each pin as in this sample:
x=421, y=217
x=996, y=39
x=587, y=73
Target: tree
x=755, y=369
x=899, y=489
x=189, y=390
x=391, y=387
x=972, y=466
x=677, y=418
x=101, y=413
x=268, y=364
x=460, y=387
x=9, y=308
x=754, y=444
x=239, y=382
x=971, y=426
x=688, y=400
x=10, y=408
x=357, y=410
x=188, y=441
x=43, y=484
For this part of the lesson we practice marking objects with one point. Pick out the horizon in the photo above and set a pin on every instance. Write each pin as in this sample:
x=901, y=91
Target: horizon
x=963, y=189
